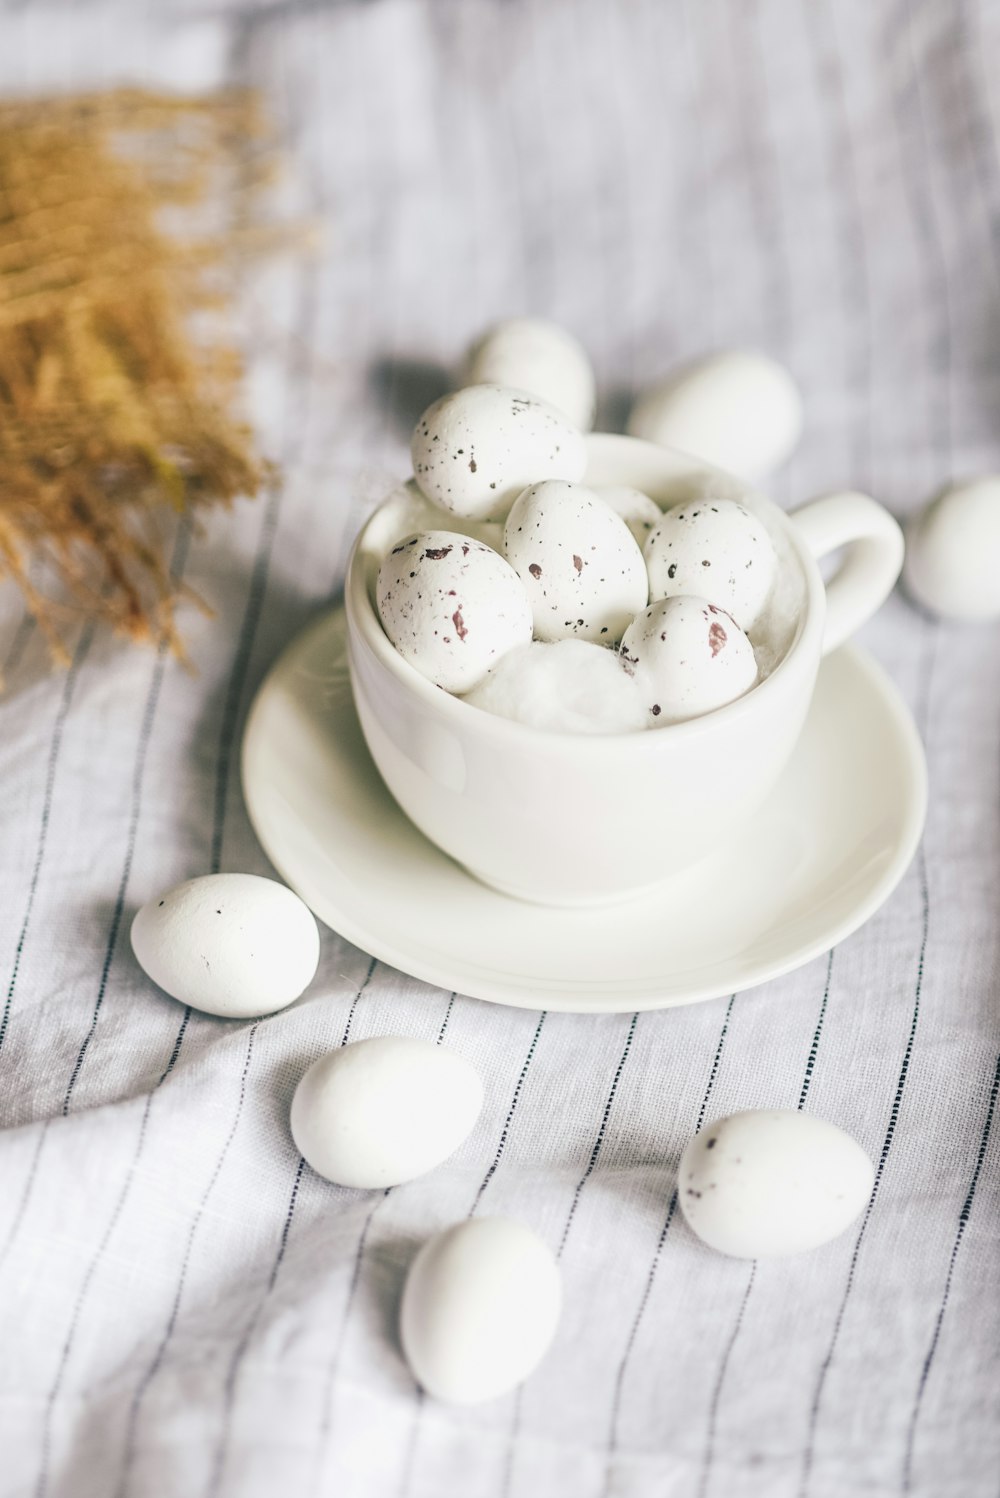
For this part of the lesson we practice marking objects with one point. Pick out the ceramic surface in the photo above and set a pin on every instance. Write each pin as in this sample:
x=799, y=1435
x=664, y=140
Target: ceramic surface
x=575, y=819
x=807, y=869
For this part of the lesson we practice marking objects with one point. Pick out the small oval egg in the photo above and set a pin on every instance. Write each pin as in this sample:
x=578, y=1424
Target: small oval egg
x=451, y=606
x=687, y=657
x=579, y=563
x=569, y=686
x=385, y=1110
x=529, y=353
x=640, y=513
x=475, y=450
x=480, y=1308
x=952, y=564
x=715, y=549
x=234, y=945
x=738, y=409
x=772, y=1182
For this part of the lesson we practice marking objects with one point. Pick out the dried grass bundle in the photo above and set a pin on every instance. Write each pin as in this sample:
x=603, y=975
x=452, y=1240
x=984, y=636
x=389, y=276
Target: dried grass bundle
x=122, y=217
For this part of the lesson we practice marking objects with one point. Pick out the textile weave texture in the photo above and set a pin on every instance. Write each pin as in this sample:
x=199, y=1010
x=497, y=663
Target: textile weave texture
x=186, y=1311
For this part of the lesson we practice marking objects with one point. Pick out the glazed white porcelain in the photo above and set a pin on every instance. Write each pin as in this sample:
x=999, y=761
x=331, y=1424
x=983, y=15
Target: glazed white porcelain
x=585, y=820
x=817, y=859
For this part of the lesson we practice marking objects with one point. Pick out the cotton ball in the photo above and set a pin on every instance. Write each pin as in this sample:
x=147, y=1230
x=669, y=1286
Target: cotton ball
x=580, y=565
x=528, y=353
x=475, y=450
x=451, y=606
x=688, y=657
x=715, y=549
x=640, y=513
x=570, y=686
x=952, y=564
x=415, y=512
x=739, y=410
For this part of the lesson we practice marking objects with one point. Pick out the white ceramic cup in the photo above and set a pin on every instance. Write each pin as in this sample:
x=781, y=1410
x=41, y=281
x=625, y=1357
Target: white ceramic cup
x=578, y=819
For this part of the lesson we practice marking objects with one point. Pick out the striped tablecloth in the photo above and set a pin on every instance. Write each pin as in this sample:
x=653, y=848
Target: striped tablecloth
x=185, y=1311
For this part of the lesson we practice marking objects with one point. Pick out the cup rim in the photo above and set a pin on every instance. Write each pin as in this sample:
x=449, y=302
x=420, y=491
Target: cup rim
x=363, y=617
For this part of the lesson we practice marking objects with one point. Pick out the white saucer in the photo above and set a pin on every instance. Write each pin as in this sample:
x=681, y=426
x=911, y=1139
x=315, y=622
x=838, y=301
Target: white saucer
x=819, y=859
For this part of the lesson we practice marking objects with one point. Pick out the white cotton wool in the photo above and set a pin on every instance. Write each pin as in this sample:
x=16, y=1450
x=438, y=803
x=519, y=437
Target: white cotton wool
x=415, y=512
x=580, y=565
x=474, y=451
x=715, y=549
x=687, y=657
x=530, y=353
x=569, y=686
x=640, y=513
x=451, y=606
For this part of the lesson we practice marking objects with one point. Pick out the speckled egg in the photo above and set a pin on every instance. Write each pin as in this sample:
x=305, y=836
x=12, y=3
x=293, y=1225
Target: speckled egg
x=475, y=450
x=640, y=513
x=773, y=1182
x=384, y=1110
x=235, y=945
x=715, y=549
x=952, y=564
x=737, y=409
x=580, y=564
x=688, y=657
x=480, y=1308
x=452, y=606
x=529, y=353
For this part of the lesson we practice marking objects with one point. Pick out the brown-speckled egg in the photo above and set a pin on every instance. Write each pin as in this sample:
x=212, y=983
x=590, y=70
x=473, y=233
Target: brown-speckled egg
x=688, y=657
x=715, y=549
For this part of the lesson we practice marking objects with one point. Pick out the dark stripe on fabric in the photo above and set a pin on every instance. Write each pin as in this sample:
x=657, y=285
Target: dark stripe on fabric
x=713, y=1411
x=55, y=747
x=243, y=1345
x=156, y=1363
x=505, y=1132
x=814, y=1048
x=42, y=1481
x=138, y=775
x=616, y=1401
x=963, y=1219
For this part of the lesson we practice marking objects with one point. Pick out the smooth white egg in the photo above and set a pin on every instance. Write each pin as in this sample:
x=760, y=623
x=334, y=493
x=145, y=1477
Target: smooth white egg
x=234, y=945
x=640, y=513
x=530, y=353
x=480, y=1308
x=385, y=1110
x=580, y=565
x=688, y=657
x=772, y=1182
x=451, y=606
x=475, y=450
x=737, y=409
x=715, y=549
x=569, y=686
x=952, y=564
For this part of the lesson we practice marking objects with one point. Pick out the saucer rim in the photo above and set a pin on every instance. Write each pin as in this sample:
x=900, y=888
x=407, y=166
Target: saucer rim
x=484, y=983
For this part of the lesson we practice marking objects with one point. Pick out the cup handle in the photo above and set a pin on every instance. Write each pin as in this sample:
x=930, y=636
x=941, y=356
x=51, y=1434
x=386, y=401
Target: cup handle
x=870, y=567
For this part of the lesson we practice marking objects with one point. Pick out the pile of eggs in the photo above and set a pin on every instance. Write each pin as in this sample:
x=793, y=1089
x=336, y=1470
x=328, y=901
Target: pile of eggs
x=569, y=607
x=482, y=1298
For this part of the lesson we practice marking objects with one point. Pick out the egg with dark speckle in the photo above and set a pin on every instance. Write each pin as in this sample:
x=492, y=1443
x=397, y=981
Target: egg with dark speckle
x=579, y=562
x=474, y=450
x=452, y=606
x=687, y=657
x=715, y=549
x=772, y=1182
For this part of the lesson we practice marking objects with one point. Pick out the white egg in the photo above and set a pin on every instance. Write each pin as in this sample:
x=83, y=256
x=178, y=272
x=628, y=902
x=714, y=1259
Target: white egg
x=476, y=449
x=529, y=353
x=715, y=549
x=385, y=1110
x=640, y=513
x=952, y=564
x=738, y=409
x=451, y=606
x=569, y=686
x=772, y=1182
x=688, y=657
x=235, y=945
x=480, y=1308
x=580, y=565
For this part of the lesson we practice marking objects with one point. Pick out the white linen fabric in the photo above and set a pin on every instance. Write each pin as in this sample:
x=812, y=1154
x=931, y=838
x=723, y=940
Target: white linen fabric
x=186, y=1311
